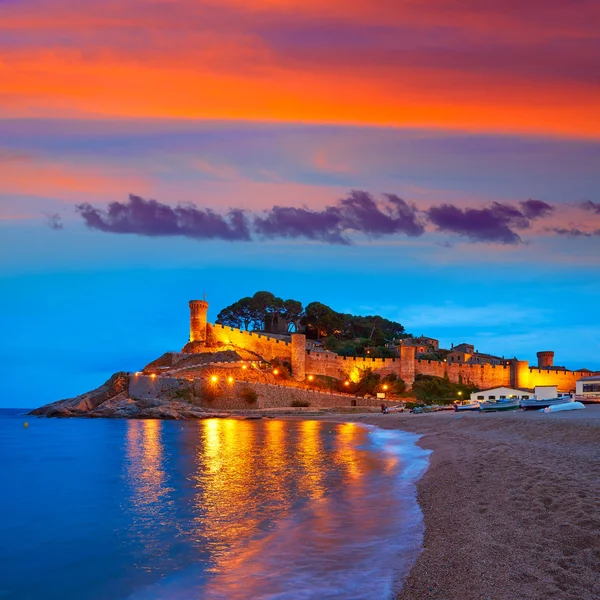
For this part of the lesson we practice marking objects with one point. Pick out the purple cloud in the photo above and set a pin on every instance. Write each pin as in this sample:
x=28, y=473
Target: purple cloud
x=573, y=232
x=152, y=218
x=492, y=224
x=290, y=222
x=54, y=221
x=359, y=213
x=591, y=206
x=535, y=209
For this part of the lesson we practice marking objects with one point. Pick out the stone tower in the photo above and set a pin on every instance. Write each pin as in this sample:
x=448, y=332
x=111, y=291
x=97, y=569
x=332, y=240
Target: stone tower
x=545, y=359
x=407, y=365
x=519, y=373
x=198, y=310
x=298, y=356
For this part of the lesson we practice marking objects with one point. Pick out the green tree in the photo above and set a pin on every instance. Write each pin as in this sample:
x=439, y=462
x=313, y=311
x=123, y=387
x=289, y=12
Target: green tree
x=293, y=312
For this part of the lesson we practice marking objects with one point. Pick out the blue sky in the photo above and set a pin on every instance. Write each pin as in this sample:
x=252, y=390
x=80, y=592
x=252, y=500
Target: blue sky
x=437, y=162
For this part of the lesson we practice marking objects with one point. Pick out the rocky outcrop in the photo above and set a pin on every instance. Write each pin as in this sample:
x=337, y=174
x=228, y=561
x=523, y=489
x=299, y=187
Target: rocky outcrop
x=85, y=403
x=111, y=400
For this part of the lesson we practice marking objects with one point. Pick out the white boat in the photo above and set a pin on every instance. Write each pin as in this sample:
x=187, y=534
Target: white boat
x=534, y=404
x=565, y=406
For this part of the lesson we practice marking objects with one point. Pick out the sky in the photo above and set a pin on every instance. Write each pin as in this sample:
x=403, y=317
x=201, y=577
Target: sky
x=433, y=161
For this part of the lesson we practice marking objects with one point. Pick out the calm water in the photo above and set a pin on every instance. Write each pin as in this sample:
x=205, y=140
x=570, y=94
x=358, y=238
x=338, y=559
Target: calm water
x=215, y=509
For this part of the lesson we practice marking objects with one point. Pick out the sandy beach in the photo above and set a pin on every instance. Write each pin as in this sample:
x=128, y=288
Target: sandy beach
x=511, y=504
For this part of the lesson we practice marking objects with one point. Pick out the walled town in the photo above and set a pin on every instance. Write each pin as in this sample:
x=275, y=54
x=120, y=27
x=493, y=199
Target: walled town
x=224, y=368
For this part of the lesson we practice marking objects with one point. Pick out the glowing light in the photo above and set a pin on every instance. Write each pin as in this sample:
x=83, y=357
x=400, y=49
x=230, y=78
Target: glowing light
x=153, y=375
x=214, y=379
x=460, y=393
x=346, y=383
x=311, y=377
x=244, y=367
x=230, y=379
x=385, y=387
x=275, y=371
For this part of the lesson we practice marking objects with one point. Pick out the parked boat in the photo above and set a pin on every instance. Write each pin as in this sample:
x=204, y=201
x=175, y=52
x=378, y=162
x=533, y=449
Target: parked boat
x=533, y=404
x=498, y=405
x=465, y=406
x=564, y=406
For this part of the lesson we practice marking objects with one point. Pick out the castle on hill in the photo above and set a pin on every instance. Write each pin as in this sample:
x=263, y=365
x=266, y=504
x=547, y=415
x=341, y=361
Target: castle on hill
x=305, y=359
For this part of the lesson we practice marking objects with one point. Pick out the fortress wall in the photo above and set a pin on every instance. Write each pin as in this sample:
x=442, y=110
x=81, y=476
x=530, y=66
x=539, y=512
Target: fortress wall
x=483, y=376
x=565, y=380
x=351, y=367
x=144, y=387
x=267, y=347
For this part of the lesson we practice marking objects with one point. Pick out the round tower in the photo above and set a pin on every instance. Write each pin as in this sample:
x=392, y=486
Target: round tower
x=299, y=356
x=545, y=359
x=198, y=310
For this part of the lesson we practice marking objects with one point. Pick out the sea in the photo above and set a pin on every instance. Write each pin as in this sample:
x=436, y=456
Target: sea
x=218, y=509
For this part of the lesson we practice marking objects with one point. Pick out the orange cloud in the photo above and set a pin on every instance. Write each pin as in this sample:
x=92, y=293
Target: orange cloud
x=455, y=64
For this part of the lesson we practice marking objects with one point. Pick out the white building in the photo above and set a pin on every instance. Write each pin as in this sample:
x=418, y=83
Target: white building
x=501, y=393
x=587, y=389
x=541, y=392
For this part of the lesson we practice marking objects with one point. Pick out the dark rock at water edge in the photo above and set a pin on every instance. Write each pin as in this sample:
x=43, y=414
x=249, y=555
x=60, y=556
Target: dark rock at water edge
x=111, y=400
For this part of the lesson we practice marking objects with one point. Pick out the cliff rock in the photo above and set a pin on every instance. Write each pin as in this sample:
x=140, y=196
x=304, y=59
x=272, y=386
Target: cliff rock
x=111, y=400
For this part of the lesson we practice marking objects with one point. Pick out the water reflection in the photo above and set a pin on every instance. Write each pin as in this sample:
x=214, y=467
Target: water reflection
x=148, y=504
x=283, y=509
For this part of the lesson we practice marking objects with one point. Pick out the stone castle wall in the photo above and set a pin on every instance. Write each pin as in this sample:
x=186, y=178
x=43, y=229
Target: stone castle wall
x=263, y=345
x=144, y=387
x=484, y=376
x=565, y=380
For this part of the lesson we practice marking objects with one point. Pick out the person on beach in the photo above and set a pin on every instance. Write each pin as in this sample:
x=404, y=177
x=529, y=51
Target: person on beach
x=384, y=409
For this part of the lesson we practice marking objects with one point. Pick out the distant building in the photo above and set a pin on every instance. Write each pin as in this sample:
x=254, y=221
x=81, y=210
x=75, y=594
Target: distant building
x=473, y=358
x=468, y=348
x=587, y=389
x=501, y=393
x=422, y=344
x=431, y=343
x=540, y=392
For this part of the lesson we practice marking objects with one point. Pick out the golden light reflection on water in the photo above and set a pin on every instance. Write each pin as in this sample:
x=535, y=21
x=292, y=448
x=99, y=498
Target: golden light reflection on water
x=145, y=469
x=245, y=470
x=242, y=479
x=310, y=460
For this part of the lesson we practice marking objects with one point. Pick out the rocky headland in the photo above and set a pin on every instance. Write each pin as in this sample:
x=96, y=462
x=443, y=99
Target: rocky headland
x=111, y=400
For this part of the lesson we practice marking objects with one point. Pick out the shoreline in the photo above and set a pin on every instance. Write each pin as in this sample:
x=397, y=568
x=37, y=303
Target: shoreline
x=510, y=502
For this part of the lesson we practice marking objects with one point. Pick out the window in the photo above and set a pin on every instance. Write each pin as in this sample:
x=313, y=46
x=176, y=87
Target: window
x=591, y=387
x=502, y=397
x=525, y=397
x=480, y=397
x=491, y=397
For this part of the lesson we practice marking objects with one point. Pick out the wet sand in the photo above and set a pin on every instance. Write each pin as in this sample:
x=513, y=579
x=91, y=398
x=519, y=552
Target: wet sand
x=511, y=504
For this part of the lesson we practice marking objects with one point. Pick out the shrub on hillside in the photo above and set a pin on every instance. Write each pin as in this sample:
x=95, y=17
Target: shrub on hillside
x=300, y=403
x=429, y=389
x=248, y=394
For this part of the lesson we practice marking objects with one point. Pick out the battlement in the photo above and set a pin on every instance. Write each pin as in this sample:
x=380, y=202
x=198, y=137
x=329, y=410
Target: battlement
x=256, y=334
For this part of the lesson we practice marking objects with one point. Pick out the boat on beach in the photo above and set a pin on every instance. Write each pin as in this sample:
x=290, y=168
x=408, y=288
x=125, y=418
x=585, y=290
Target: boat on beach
x=499, y=405
x=534, y=404
x=465, y=406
